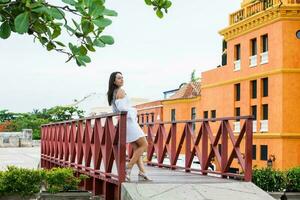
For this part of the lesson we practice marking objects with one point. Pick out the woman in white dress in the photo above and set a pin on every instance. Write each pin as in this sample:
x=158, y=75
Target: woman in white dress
x=119, y=101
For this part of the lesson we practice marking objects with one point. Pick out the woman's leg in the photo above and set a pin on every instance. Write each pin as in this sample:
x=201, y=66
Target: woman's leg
x=139, y=163
x=141, y=147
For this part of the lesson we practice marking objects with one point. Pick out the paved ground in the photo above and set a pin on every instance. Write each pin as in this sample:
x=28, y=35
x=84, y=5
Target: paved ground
x=23, y=157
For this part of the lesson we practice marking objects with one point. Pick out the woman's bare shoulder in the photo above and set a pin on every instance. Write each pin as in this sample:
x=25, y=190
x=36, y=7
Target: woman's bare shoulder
x=120, y=93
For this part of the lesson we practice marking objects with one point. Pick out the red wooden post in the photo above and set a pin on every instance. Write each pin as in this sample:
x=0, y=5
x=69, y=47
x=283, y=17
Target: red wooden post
x=248, y=150
x=224, y=147
x=188, y=138
x=173, y=159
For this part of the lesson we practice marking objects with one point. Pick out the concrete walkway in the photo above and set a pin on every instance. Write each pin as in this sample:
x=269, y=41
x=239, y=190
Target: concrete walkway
x=178, y=185
x=28, y=157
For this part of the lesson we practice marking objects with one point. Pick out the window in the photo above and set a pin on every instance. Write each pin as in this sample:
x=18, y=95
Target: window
x=224, y=53
x=237, y=91
x=193, y=117
x=237, y=113
x=138, y=118
x=213, y=113
x=298, y=34
x=173, y=113
x=147, y=117
x=265, y=112
x=265, y=45
x=205, y=114
x=254, y=112
x=265, y=84
x=253, y=47
x=152, y=117
x=253, y=152
x=237, y=52
x=264, y=152
x=254, y=89
x=142, y=118
x=220, y=148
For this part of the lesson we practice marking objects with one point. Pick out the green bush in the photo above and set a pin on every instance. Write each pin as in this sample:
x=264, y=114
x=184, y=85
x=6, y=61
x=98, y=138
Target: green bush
x=24, y=182
x=269, y=179
x=62, y=179
x=293, y=180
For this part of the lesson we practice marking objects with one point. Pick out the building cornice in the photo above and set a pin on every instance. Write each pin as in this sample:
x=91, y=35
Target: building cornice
x=254, y=76
x=261, y=19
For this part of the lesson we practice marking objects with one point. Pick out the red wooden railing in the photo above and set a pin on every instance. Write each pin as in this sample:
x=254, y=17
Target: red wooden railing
x=90, y=146
x=94, y=145
x=163, y=143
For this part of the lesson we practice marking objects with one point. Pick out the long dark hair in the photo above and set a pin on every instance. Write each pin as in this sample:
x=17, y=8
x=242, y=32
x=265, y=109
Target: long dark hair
x=112, y=86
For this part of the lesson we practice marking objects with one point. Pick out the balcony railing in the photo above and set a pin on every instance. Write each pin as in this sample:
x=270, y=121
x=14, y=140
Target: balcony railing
x=253, y=61
x=236, y=127
x=264, y=57
x=257, y=7
x=237, y=65
x=254, y=126
x=264, y=126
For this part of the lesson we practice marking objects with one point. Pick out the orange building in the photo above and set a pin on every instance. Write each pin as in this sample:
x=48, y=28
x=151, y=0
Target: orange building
x=261, y=60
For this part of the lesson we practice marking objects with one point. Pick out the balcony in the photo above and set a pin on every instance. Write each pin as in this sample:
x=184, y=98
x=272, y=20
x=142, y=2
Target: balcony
x=264, y=57
x=264, y=126
x=236, y=127
x=253, y=61
x=237, y=65
x=254, y=126
x=258, y=7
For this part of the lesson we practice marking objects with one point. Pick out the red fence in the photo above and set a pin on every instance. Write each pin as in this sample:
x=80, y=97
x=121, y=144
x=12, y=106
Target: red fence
x=90, y=146
x=164, y=143
x=96, y=146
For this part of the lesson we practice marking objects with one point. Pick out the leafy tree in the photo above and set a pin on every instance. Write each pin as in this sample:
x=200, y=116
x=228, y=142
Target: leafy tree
x=193, y=76
x=35, y=119
x=7, y=116
x=83, y=20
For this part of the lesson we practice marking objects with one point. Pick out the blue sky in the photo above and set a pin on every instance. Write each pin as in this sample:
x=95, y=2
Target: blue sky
x=154, y=55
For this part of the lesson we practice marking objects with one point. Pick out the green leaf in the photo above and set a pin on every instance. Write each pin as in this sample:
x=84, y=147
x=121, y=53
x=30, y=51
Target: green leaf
x=56, y=32
x=148, y=2
x=102, y=22
x=108, y=12
x=76, y=24
x=168, y=4
x=5, y=30
x=22, y=22
x=90, y=47
x=96, y=8
x=99, y=43
x=56, y=13
x=69, y=28
x=40, y=27
x=82, y=50
x=43, y=40
x=50, y=46
x=106, y=39
x=42, y=9
x=87, y=26
x=60, y=43
x=159, y=13
x=4, y=1
x=70, y=2
x=1, y=18
x=85, y=59
x=79, y=62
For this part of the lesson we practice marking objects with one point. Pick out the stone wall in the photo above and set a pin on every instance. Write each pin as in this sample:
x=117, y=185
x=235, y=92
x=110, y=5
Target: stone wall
x=16, y=139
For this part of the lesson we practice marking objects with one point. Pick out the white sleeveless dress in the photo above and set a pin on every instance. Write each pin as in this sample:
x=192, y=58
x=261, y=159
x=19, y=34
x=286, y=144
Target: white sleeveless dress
x=133, y=130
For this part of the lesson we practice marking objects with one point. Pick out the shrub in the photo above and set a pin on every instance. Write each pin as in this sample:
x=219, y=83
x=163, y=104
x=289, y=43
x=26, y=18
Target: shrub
x=62, y=179
x=293, y=180
x=269, y=179
x=24, y=182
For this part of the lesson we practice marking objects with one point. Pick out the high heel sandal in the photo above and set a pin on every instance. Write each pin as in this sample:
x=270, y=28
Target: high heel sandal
x=143, y=177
